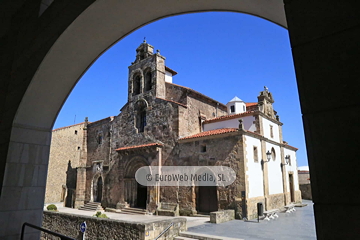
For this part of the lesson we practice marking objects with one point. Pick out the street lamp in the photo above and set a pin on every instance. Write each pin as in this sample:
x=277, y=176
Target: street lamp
x=268, y=156
x=287, y=160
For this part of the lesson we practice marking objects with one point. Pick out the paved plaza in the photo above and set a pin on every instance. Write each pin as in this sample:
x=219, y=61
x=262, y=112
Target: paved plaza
x=296, y=225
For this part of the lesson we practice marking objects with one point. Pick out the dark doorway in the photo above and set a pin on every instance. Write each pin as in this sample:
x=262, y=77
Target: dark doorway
x=291, y=183
x=207, y=199
x=99, y=190
x=141, y=196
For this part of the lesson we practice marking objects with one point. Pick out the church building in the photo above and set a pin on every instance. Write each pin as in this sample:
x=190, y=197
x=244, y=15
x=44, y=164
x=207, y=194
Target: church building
x=165, y=124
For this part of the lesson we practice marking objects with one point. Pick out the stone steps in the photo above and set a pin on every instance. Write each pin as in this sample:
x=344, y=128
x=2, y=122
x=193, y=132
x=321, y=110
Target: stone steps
x=199, y=236
x=92, y=206
x=184, y=238
x=133, y=211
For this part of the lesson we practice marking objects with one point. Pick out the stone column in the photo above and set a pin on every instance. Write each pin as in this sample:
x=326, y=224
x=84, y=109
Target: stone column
x=265, y=173
x=284, y=173
x=121, y=204
x=325, y=39
x=81, y=171
x=23, y=189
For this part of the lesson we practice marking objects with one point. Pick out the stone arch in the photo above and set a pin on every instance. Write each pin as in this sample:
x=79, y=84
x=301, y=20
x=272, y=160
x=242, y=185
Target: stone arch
x=95, y=191
x=55, y=77
x=148, y=75
x=135, y=194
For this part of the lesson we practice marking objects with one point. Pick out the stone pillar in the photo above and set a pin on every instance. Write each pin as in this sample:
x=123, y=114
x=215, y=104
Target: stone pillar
x=325, y=39
x=23, y=189
x=265, y=173
x=284, y=173
x=121, y=204
x=81, y=170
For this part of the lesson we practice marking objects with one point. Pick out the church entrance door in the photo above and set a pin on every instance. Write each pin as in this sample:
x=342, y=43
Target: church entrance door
x=141, y=196
x=291, y=183
x=207, y=199
x=99, y=187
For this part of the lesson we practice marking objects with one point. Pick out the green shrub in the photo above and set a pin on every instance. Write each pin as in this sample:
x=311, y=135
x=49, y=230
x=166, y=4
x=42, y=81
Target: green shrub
x=51, y=207
x=100, y=215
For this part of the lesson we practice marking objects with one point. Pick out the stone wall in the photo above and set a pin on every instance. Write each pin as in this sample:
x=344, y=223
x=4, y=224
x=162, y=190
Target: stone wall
x=176, y=93
x=304, y=177
x=275, y=201
x=188, y=153
x=306, y=191
x=64, y=157
x=222, y=216
x=252, y=211
x=100, y=228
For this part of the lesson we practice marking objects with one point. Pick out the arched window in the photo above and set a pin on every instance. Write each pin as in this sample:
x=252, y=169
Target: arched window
x=273, y=155
x=142, y=120
x=148, y=77
x=136, y=85
x=140, y=108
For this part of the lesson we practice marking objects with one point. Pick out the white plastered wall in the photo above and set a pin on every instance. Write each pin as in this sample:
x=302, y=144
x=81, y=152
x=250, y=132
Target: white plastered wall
x=292, y=168
x=266, y=126
x=168, y=77
x=254, y=170
x=248, y=123
x=274, y=170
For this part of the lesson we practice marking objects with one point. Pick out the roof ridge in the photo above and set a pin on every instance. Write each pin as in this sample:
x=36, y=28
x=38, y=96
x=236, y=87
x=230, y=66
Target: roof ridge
x=67, y=126
x=172, y=101
x=227, y=116
x=211, y=133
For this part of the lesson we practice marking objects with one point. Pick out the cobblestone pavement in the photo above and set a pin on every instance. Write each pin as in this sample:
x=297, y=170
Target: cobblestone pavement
x=295, y=225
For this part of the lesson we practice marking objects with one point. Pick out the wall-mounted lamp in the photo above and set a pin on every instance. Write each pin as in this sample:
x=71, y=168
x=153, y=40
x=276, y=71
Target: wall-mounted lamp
x=268, y=156
x=287, y=160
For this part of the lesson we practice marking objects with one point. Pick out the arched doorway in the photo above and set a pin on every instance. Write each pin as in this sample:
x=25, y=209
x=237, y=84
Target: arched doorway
x=135, y=194
x=99, y=187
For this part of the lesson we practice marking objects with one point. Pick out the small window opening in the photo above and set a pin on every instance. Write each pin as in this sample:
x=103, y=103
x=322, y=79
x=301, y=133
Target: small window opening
x=203, y=148
x=99, y=139
x=142, y=121
x=136, y=87
x=78, y=148
x=271, y=132
x=256, y=159
x=148, y=81
x=232, y=108
x=273, y=155
x=75, y=132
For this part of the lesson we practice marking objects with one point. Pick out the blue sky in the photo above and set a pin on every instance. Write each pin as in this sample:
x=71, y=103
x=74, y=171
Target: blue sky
x=219, y=54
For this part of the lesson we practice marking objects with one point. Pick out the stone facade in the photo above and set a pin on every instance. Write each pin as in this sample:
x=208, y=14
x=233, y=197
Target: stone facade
x=162, y=124
x=65, y=152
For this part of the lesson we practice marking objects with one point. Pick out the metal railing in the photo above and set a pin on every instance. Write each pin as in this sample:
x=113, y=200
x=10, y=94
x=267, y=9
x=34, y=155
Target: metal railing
x=62, y=237
x=163, y=232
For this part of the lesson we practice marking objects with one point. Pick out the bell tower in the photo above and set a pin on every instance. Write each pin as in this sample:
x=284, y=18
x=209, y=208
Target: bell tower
x=146, y=74
x=265, y=102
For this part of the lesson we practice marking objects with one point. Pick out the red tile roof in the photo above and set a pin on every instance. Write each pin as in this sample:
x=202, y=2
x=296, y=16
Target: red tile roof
x=139, y=146
x=211, y=133
x=227, y=117
x=172, y=102
x=250, y=104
